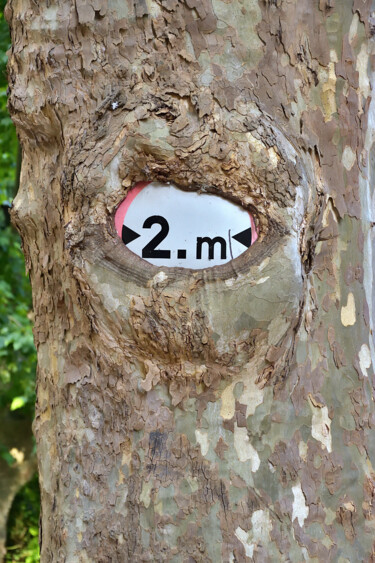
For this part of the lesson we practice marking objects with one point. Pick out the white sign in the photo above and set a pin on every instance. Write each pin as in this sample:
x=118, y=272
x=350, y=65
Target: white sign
x=167, y=226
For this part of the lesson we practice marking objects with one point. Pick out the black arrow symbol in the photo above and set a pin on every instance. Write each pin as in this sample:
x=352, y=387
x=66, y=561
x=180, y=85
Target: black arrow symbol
x=244, y=237
x=128, y=235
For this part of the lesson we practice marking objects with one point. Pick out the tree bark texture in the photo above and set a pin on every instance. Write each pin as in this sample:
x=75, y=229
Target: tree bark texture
x=224, y=414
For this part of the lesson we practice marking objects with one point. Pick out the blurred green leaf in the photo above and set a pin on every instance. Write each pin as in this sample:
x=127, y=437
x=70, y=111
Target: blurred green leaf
x=18, y=403
x=33, y=531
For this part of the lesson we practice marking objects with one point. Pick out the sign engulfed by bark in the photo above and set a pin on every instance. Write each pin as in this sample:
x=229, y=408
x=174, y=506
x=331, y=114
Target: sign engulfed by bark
x=215, y=413
x=192, y=230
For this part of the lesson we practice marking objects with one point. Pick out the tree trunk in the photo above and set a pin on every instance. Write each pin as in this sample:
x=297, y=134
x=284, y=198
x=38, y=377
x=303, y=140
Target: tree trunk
x=223, y=414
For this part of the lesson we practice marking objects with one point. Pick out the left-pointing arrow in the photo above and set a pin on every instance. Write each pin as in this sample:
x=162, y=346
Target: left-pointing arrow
x=128, y=235
x=244, y=237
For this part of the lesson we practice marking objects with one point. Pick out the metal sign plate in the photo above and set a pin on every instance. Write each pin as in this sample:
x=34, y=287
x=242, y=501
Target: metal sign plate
x=167, y=226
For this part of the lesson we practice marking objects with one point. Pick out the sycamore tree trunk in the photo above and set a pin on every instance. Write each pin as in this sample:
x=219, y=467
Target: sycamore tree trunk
x=223, y=414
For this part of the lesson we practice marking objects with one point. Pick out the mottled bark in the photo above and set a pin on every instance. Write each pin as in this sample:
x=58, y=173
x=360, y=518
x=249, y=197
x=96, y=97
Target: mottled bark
x=216, y=415
x=15, y=434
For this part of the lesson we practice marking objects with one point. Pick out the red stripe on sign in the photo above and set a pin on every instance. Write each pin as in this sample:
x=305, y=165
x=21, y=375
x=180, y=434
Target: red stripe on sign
x=124, y=206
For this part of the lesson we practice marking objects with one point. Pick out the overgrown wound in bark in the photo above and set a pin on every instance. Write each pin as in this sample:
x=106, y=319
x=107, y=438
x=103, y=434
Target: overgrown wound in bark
x=215, y=415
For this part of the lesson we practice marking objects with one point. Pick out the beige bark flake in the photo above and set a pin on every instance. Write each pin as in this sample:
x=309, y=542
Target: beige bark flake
x=154, y=9
x=251, y=396
x=362, y=66
x=348, y=158
x=300, y=509
x=227, y=403
x=259, y=533
x=202, y=439
x=259, y=147
x=110, y=302
x=126, y=454
x=145, y=494
x=353, y=28
x=244, y=449
x=302, y=449
x=255, y=143
x=262, y=526
x=364, y=359
x=152, y=377
x=159, y=278
x=321, y=424
x=262, y=280
x=244, y=539
x=274, y=158
x=263, y=264
x=348, y=312
x=328, y=96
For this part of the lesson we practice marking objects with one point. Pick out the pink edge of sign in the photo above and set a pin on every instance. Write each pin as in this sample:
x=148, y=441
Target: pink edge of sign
x=124, y=206
x=254, y=234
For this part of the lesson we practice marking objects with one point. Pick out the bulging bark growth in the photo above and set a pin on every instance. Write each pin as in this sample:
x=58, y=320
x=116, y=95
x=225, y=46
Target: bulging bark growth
x=223, y=414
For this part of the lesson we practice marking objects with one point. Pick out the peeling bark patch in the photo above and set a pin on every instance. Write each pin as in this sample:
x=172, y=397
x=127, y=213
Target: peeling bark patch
x=348, y=313
x=321, y=424
x=259, y=533
x=228, y=403
x=245, y=451
x=300, y=509
x=365, y=359
x=203, y=441
x=348, y=158
x=244, y=539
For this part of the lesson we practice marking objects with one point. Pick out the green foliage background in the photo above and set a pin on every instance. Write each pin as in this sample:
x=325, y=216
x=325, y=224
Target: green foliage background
x=17, y=353
x=23, y=542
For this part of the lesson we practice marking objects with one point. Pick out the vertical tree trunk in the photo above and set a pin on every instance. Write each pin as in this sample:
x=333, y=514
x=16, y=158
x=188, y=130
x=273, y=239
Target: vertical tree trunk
x=224, y=414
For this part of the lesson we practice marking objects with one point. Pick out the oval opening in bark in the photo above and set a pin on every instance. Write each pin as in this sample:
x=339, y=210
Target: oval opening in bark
x=167, y=226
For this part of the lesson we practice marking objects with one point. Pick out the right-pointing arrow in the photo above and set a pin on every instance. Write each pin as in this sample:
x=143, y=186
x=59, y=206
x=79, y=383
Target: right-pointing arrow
x=244, y=237
x=128, y=235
